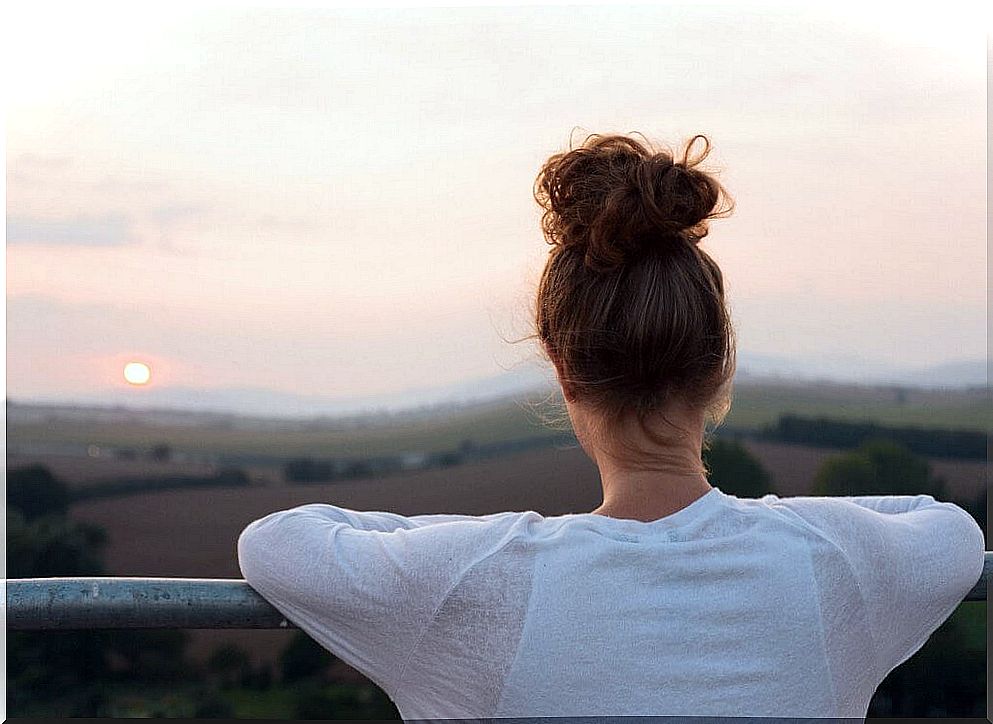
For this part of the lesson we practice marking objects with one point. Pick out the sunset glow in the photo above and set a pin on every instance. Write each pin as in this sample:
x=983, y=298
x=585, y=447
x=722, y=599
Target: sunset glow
x=137, y=373
x=338, y=202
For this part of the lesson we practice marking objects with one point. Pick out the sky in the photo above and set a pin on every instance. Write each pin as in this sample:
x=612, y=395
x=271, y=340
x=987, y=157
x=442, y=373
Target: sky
x=337, y=202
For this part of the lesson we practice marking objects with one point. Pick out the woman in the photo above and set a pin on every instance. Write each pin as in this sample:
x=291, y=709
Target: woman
x=672, y=597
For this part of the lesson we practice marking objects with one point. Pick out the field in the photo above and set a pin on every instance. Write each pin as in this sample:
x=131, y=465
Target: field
x=755, y=405
x=192, y=533
x=484, y=424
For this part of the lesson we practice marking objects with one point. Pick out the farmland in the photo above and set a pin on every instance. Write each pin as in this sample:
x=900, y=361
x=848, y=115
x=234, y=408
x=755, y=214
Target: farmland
x=192, y=532
x=755, y=405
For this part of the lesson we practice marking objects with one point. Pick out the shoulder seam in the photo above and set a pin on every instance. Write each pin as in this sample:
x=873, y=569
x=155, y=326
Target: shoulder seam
x=810, y=527
x=520, y=639
x=395, y=689
x=820, y=622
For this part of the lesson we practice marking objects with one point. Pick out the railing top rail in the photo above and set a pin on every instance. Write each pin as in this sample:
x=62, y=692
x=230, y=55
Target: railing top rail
x=91, y=603
x=35, y=604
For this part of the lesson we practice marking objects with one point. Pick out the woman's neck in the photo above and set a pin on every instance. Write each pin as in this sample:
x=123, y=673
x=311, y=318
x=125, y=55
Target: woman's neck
x=649, y=495
x=663, y=479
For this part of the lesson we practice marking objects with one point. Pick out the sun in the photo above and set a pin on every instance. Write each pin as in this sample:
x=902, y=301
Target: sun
x=137, y=373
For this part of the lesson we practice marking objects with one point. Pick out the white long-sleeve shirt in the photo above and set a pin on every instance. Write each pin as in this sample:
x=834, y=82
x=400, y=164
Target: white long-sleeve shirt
x=784, y=607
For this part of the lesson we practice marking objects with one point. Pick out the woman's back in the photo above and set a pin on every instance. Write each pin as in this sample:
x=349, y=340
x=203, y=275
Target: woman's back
x=794, y=607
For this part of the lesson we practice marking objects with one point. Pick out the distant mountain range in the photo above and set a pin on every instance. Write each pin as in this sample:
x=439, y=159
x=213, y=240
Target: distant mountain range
x=527, y=378
x=852, y=369
x=261, y=402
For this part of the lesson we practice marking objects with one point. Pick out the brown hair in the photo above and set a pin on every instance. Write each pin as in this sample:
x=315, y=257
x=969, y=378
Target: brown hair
x=630, y=309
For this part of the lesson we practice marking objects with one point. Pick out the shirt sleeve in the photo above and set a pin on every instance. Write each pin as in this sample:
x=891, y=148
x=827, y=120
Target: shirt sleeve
x=364, y=585
x=914, y=558
x=385, y=521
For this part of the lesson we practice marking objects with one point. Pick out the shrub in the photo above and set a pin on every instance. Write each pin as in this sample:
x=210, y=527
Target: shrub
x=877, y=467
x=35, y=491
x=735, y=470
x=303, y=658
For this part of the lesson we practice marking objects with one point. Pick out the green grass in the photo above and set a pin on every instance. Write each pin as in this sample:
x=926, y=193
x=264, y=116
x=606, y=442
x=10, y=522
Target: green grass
x=181, y=700
x=310, y=699
x=971, y=615
x=754, y=407
x=506, y=421
x=276, y=702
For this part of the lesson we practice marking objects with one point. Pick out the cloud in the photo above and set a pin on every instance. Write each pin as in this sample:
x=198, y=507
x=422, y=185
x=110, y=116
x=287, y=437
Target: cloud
x=43, y=162
x=174, y=213
x=113, y=230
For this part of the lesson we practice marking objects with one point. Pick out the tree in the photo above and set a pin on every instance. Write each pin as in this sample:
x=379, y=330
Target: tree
x=877, y=467
x=155, y=657
x=735, y=470
x=844, y=474
x=231, y=664
x=977, y=508
x=161, y=452
x=945, y=678
x=232, y=476
x=303, y=658
x=51, y=545
x=306, y=470
x=46, y=664
x=50, y=665
x=35, y=491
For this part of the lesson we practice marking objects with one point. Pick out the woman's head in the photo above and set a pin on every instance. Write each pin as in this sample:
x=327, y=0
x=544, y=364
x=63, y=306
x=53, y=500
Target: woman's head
x=629, y=309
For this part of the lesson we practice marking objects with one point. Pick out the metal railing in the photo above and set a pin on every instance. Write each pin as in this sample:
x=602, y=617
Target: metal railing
x=37, y=604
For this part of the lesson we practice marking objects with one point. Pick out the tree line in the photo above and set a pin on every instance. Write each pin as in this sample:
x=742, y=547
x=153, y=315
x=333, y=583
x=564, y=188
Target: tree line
x=827, y=432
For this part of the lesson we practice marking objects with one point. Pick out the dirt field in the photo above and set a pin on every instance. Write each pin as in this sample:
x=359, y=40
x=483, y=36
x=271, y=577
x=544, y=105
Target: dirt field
x=192, y=533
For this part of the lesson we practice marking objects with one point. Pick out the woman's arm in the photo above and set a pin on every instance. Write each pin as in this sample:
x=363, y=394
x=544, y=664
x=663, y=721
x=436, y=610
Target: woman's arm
x=364, y=585
x=914, y=558
x=377, y=519
x=878, y=503
x=894, y=503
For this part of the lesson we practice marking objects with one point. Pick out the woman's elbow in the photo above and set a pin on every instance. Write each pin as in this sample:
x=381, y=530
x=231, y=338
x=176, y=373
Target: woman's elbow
x=967, y=542
x=977, y=538
x=248, y=550
x=255, y=546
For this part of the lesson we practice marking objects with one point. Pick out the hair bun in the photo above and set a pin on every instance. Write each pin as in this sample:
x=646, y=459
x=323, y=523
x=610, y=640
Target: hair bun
x=614, y=197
